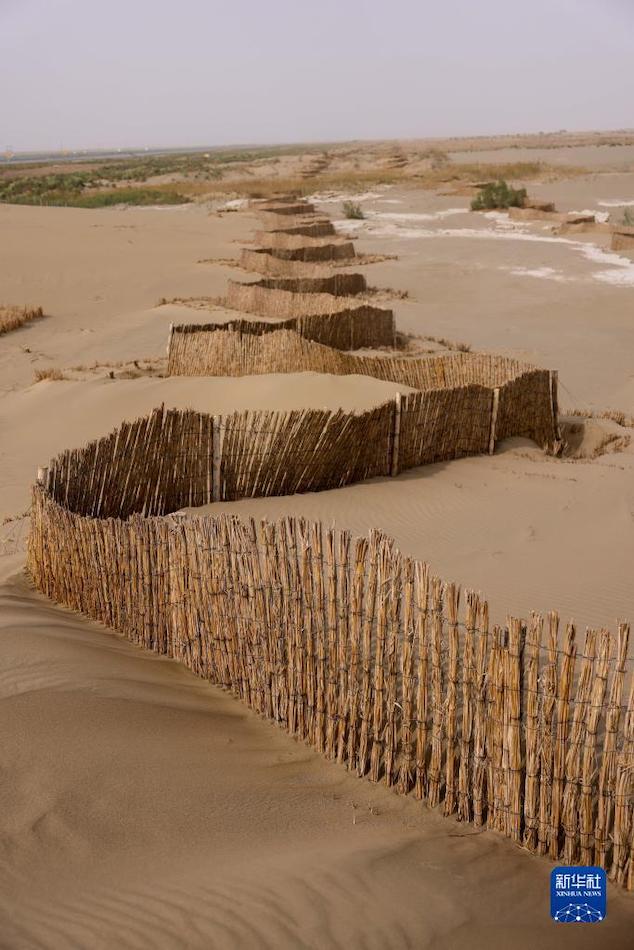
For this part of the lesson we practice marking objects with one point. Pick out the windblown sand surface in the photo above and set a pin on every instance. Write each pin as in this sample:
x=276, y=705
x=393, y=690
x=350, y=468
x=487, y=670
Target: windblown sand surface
x=141, y=807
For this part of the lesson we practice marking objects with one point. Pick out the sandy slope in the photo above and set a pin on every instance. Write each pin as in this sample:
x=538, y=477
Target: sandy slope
x=148, y=810
x=143, y=808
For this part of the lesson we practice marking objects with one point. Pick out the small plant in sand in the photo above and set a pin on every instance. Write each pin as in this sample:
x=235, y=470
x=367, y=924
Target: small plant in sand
x=498, y=195
x=50, y=373
x=13, y=317
x=352, y=210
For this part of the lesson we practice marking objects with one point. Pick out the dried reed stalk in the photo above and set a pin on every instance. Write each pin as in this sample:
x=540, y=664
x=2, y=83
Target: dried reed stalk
x=531, y=679
x=332, y=675
x=512, y=736
x=343, y=664
x=495, y=700
x=576, y=740
x=564, y=685
x=378, y=706
x=548, y=702
x=408, y=681
x=356, y=625
x=480, y=749
x=366, y=652
x=607, y=770
x=421, y=600
x=623, y=819
x=588, y=751
x=392, y=706
x=435, y=762
x=452, y=597
x=468, y=690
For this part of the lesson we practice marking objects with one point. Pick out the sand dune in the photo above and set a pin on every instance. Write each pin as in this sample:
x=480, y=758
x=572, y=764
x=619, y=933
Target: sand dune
x=154, y=811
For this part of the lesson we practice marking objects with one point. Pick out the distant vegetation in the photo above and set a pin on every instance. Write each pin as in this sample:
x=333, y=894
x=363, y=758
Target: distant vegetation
x=352, y=210
x=497, y=194
x=95, y=186
x=174, y=178
x=79, y=190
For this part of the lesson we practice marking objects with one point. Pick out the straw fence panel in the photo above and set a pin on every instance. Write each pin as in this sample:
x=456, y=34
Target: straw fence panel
x=153, y=465
x=282, y=304
x=527, y=397
x=267, y=453
x=358, y=651
x=280, y=222
x=444, y=424
x=340, y=284
x=293, y=248
x=261, y=261
x=280, y=241
x=314, y=229
x=192, y=347
x=285, y=207
x=528, y=407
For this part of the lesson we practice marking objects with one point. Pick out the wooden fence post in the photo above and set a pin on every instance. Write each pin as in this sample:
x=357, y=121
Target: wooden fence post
x=396, y=436
x=42, y=476
x=494, y=419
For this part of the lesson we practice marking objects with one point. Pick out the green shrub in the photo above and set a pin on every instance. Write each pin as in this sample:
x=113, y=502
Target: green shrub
x=497, y=194
x=130, y=196
x=352, y=210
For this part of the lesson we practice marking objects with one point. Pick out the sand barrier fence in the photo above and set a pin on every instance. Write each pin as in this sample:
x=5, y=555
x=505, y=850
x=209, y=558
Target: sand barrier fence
x=525, y=728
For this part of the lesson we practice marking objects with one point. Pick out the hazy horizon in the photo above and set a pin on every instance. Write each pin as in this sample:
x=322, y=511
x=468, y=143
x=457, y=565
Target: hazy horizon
x=201, y=75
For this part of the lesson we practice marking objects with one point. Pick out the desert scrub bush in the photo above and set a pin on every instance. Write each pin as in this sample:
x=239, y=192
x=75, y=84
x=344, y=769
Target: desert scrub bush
x=352, y=210
x=498, y=194
x=50, y=373
x=13, y=317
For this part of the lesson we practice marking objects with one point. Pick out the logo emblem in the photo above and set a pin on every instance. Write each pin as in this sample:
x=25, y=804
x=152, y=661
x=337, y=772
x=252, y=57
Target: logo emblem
x=578, y=895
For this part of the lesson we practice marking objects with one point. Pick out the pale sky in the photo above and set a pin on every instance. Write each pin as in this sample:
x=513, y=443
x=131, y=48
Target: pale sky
x=79, y=73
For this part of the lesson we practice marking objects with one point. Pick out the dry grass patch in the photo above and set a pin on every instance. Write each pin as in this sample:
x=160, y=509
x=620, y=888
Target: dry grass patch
x=51, y=373
x=11, y=318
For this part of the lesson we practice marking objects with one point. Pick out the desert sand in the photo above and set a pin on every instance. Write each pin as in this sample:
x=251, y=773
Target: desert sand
x=144, y=808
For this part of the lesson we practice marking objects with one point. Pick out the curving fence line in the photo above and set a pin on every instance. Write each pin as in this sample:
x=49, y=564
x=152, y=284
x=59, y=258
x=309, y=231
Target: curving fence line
x=348, y=329
x=345, y=642
x=488, y=397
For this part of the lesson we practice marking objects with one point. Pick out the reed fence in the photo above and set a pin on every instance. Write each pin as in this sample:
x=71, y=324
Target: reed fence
x=345, y=642
x=297, y=248
x=262, y=261
x=341, y=284
x=190, y=344
x=463, y=395
x=285, y=206
x=309, y=227
x=362, y=653
x=265, y=301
